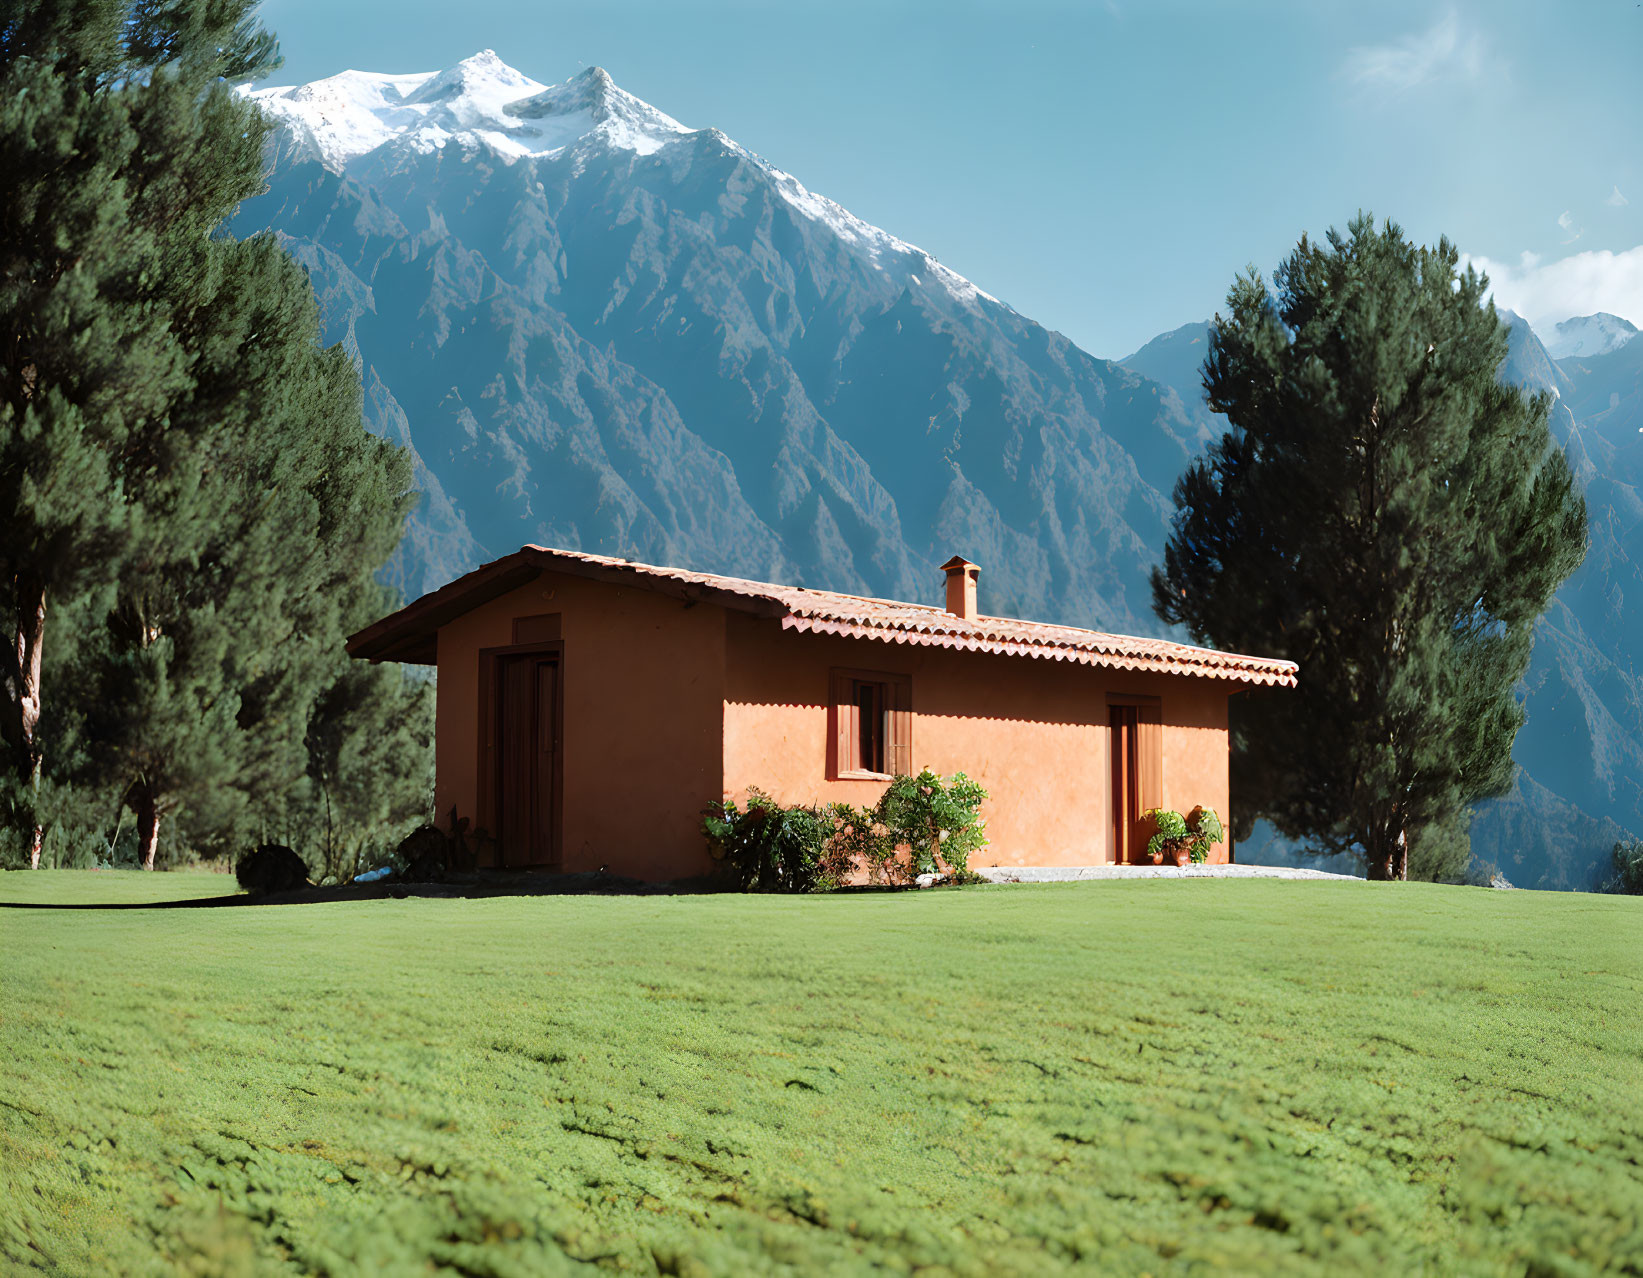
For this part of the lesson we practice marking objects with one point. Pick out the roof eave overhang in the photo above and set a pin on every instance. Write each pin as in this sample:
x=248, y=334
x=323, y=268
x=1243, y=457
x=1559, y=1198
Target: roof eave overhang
x=1256, y=671
x=412, y=634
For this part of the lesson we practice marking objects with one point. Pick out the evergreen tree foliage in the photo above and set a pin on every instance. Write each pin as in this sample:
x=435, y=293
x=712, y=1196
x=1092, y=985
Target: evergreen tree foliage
x=1388, y=515
x=1627, y=878
x=280, y=510
x=121, y=146
x=370, y=761
x=183, y=467
x=1441, y=850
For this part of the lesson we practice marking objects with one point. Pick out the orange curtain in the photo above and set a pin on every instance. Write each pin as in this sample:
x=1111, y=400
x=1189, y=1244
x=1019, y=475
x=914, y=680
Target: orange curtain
x=1149, y=748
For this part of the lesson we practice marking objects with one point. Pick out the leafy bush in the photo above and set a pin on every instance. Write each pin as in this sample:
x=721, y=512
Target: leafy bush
x=1202, y=834
x=937, y=820
x=1628, y=868
x=857, y=840
x=271, y=868
x=766, y=847
x=920, y=825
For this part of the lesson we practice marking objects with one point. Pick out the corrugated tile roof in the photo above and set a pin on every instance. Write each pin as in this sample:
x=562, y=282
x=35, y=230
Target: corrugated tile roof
x=410, y=634
x=893, y=621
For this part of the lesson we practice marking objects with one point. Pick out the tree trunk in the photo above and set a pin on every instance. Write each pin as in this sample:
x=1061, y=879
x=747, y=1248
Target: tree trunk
x=148, y=827
x=331, y=866
x=20, y=716
x=1388, y=861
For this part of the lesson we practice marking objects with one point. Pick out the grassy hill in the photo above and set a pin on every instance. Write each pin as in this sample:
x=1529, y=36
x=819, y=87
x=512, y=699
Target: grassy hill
x=1151, y=1077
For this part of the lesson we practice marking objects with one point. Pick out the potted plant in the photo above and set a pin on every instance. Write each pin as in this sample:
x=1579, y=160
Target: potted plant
x=1182, y=842
x=1172, y=841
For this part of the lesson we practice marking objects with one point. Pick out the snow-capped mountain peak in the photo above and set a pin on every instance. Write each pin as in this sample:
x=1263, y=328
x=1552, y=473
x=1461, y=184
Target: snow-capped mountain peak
x=484, y=82
x=480, y=101
x=483, y=103
x=1589, y=335
x=592, y=91
x=593, y=96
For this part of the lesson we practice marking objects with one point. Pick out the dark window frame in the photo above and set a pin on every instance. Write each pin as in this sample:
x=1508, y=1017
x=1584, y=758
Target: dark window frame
x=887, y=738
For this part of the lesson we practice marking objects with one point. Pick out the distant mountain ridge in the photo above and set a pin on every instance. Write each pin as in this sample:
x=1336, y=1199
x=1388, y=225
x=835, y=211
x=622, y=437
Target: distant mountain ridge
x=599, y=328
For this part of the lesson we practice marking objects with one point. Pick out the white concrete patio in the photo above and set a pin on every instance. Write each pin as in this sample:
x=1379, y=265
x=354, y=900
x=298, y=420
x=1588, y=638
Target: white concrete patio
x=1079, y=873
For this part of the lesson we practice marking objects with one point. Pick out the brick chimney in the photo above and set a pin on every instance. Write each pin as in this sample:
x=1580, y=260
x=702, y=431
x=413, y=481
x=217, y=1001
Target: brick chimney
x=961, y=587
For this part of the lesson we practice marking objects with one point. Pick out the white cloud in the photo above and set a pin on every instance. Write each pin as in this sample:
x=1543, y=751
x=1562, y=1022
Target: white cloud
x=1580, y=284
x=1444, y=51
x=1616, y=200
x=1564, y=220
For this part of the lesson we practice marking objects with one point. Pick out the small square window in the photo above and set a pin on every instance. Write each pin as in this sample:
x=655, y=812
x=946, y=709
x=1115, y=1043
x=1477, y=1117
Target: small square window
x=871, y=721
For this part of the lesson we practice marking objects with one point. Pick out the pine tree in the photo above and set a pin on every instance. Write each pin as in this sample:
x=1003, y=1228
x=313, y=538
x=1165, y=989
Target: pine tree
x=211, y=491
x=1385, y=513
x=278, y=509
x=122, y=147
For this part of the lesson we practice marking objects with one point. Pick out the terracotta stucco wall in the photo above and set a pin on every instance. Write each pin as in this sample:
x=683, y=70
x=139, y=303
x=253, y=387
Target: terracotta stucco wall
x=1034, y=732
x=643, y=691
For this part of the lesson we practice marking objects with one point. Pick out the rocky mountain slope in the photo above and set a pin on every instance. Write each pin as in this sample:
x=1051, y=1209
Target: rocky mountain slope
x=597, y=327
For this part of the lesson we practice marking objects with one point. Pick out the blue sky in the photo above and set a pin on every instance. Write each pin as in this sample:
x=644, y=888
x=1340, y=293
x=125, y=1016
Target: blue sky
x=1106, y=168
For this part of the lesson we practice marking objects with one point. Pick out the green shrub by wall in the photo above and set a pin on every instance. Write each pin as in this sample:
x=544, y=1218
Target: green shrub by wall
x=921, y=825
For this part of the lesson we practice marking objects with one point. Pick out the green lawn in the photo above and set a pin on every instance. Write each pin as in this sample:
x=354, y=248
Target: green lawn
x=1134, y=1077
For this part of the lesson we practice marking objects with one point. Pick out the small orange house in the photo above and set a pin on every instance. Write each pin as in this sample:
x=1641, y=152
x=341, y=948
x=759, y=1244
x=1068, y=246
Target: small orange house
x=589, y=708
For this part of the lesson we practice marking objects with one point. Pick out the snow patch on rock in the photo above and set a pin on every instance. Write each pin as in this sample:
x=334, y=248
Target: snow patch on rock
x=885, y=251
x=1587, y=335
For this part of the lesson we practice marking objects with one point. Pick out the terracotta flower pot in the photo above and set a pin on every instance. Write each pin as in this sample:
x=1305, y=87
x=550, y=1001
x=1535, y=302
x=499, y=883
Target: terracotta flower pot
x=1183, y=856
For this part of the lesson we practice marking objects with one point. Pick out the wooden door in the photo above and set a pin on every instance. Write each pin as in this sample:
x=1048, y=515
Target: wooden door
x=527, y=748
x=1137, y=748
x=1126, y=783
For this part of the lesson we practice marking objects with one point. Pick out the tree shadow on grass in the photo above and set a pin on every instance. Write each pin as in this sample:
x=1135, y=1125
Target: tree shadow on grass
x=476, y=885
